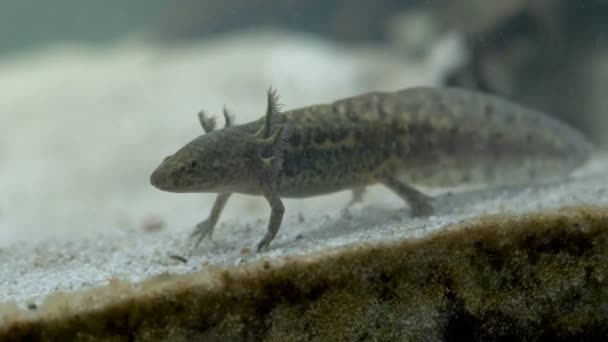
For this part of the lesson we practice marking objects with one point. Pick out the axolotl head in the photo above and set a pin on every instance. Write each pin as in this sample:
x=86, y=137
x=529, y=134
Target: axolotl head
x=219, y=161
x=225, y=160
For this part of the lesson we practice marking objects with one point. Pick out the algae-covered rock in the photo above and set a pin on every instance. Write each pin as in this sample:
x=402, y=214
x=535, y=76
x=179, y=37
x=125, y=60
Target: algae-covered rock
x=523, y=277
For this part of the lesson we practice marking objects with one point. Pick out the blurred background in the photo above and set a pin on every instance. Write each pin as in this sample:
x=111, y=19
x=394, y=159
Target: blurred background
x=548, y=53
x=93, y=94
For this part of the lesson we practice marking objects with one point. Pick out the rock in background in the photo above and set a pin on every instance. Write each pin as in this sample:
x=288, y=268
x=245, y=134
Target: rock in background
x=548, y=54
x=552, y=55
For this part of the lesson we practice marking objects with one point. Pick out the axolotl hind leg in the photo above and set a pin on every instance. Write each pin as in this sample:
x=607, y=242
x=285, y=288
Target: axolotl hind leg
x=419, y=203
x=357, y=196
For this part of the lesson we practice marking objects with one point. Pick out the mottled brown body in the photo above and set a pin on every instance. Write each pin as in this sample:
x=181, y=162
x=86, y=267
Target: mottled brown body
x=424, y=136
x=418, y=136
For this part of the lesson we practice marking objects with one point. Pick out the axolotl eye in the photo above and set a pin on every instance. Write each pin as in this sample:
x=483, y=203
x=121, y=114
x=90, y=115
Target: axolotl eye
x=192, y=165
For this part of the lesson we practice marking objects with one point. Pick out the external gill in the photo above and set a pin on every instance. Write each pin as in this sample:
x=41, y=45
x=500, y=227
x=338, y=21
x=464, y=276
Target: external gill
x=210, y=122
x=273, y=107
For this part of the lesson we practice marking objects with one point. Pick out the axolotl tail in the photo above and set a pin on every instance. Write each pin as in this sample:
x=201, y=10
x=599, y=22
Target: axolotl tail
x=461, y=137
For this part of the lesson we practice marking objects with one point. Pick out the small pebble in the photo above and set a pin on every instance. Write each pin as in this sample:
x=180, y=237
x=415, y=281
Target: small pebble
x=152, y=224
x=178, y=258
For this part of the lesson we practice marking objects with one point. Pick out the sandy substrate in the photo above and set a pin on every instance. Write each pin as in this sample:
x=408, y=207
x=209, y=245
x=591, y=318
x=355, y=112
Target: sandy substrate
x=31, y=270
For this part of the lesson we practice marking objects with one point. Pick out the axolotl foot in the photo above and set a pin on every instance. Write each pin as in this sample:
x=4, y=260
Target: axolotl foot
x=202, y=231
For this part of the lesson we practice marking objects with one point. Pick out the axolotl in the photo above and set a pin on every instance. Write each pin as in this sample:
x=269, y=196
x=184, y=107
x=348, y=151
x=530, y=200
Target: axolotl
x=421, y=136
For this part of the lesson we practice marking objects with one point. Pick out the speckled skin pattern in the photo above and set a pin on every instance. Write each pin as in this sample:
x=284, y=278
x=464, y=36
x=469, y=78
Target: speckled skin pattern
x=417, y=136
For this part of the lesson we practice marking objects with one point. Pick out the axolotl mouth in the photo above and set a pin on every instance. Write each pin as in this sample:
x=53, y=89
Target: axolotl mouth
x=160, y=179
x=188, y=171
x=169, y=176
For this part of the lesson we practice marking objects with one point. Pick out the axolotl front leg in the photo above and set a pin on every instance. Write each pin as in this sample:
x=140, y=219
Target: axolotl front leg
x=276, y=211
x=205, y=228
